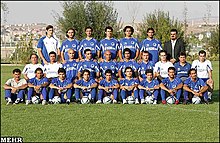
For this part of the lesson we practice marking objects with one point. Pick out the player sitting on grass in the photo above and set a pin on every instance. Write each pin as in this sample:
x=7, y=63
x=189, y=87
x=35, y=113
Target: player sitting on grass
x=108, y=87
x=149, y=87
x=61, y=86
x=194, y=86
x=15, y=88
x=128, y=86
x=37, y=86
x=85, y=87
x=171, y=85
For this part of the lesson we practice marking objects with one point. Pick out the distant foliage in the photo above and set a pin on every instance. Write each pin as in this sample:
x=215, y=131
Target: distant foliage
x=213, y=43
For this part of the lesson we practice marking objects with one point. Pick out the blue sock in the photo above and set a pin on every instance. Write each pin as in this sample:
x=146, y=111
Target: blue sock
x=77, y=93
x=178, y=94
x=44, y=93
x=123, y=94
x=30, y=93
x=101, y=92
x=51, y=93
x=115, y=94
x=163, y=94
x=141, y=93
x=156, y=92
x=136, y=94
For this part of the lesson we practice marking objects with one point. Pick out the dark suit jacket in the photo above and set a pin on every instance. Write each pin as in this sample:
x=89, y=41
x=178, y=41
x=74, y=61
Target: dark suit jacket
x=179, y=47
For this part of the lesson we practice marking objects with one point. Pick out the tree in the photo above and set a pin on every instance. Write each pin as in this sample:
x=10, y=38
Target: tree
x=162, y=24
x=214, y=42
x=80, y=14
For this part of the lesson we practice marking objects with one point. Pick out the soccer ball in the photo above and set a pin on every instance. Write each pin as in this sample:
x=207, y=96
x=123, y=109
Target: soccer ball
x=149, y=99
x=107, y=100
x=130, y=99
x=85, y=100
x=56, y=100
x=35, y=99
x=170, y=100
x=196, y=100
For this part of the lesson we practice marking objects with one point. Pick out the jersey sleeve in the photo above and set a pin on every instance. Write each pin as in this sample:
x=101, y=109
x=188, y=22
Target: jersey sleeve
x=186, y=82
x=142, y=46
x=202, y=83
x=24, y=71
x=102, y=82
x=97, y=46
x=121, y=82
x=78, y=82
x=209, y=65
x=142, y=83
x=54, y=81
x=31, y=80
x=40, y=43
x=156, y=67
x=164, y=81
x=97, y=69
x=194, y=64
x=45, y=80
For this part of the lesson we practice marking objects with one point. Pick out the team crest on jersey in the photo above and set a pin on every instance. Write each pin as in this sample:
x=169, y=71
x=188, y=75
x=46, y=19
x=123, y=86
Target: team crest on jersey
x=113, y=44
x=132, y=42
x=84, y=66
x=106, y=67
x=74, y=64
x=147, y=45
x=125, y=43
x=178, y=69
x=173, y=86
x=74, y=45
x=92, y=44
x=154, y=44
x=92, y=65
x=112, y=67
x=85, y=44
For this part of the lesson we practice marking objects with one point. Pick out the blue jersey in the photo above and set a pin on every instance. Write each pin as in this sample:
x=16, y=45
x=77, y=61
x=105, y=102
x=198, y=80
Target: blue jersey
x=109, y=44
x=111, y=83
x=130, y=63
x=130, y=43
x=127, y=82
x=48, y=45
x=91, y=44
x=86, y=83
x=150, y=84
x=153, y=47
x=37, y=82
x=66, y=45
x=57, y=82
x=182, y=71
x=108, y=65
x=143, y=67
x=71, y=69
x=92, y=66
x=194, y=85
x=171, y=84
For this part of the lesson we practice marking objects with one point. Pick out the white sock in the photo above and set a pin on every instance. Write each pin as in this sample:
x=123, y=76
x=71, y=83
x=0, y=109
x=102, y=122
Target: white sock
x=210, y=95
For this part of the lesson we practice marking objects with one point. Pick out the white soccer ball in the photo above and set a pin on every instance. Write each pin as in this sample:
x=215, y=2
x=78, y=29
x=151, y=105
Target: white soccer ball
x=170, y=100
x=149, y=100
x=56, y=100
x=85, y=100
x=130, y=100
x=107, y=100
x=196, y=100
x=35, y=99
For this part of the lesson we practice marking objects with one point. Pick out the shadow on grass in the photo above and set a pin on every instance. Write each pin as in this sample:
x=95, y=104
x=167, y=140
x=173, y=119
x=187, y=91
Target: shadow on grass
x=215, y=96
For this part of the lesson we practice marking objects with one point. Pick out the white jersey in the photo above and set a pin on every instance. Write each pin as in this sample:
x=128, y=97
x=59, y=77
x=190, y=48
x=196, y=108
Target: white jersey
x=13, y=83
x=29, y=69
x=202, y=68
x=51, y=70
x=162, y=68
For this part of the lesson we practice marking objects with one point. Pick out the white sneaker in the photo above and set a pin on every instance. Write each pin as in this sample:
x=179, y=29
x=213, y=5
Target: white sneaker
x=44, y=102
x=17, y=101
x=115, y=101
x=136, y=101
x=124, y=101
x=142, y=101
x=28, y=102
x=155, y=102
x=98, y=102
x=68, y=101
x=8, y=101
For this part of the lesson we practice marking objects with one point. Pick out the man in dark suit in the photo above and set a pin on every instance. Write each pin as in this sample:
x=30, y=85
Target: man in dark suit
x=174, y=46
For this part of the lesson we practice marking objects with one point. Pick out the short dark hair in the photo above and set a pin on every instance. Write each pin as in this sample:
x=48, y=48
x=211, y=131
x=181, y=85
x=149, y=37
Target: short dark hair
x=174, y=30
x=108, y=71
x=108, y=27
x=38, y=69
x=52, y=52
x=192, y=69
x=149, y=71
x=89, y=27
x=61, y=70
x=74, y=32
x=145, y=52
x=163, y=51
x=171, y=68
x=132, y=29
x=16, y=70
x=128, y=68
x=85, y=70
x=182, y=54
x=48, y=27
x=126, y=50
x=86, y=50
x=202, y=52
x=148, y=29
x=33, y=54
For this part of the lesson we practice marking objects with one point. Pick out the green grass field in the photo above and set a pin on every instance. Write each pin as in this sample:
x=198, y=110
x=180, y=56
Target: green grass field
x=111, y=123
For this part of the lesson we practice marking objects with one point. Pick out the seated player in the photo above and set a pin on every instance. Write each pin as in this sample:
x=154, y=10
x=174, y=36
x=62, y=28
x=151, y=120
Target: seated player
x=15, y=88
x=85, y=87
x=204, y=71
x=90, y=65
x=171, y=85
x=37, y=86
x=149, y=87
x=127, y=63
x=108, y=64
x=61, y=86
x=128, y=86
x=29, y=69
x=144, y=65
x=194, y=86
x=108, y=87
x=52, y=68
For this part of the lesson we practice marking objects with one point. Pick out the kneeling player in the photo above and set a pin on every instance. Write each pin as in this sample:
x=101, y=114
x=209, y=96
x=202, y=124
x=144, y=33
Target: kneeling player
x=149, y=86
x=85, y=87
x=37, y=86
x=128, y=86
x=108, y=87
x=172, y=85
x=61, y=86
x=195, y=86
